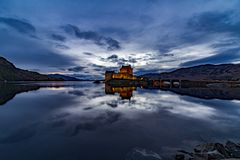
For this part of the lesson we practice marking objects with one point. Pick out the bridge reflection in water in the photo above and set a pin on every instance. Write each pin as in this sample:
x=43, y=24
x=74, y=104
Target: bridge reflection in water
x=200, y=89
x=125, y=88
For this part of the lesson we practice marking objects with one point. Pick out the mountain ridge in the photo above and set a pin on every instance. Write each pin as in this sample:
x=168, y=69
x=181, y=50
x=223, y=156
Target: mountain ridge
x=9, y=72
x=222, y=72
x=64, y=77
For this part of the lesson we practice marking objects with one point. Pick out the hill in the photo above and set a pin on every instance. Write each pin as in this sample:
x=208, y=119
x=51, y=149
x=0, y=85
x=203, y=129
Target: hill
x=222, y=72
x=64, y=77
x=8, y=72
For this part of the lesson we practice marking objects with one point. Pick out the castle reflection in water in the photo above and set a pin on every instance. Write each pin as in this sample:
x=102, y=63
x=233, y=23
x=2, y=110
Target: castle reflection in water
x=126, y=89
x=124, y=92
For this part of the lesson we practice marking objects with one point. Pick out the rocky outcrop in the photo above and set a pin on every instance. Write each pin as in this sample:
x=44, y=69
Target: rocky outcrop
x=211, y=151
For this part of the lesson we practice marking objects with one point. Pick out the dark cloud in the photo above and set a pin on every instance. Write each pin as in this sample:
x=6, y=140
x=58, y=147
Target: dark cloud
x=102, y=69
x=87, y=53
x=132, y=60
x=19, y=25
x=98, y=39
x=61, y=46
x=227, y=56
x=58, y=37
x=212, y=22
x=112, y=43
x=40, y=57
x=113, y=57
x=165, y=48
x=119, y=32
x=23, y=51
x=77, y=69
x=120, y=61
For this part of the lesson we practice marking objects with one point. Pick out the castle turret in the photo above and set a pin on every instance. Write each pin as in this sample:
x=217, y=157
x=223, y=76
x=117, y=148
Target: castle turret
x=127, y=70
x=108, y=75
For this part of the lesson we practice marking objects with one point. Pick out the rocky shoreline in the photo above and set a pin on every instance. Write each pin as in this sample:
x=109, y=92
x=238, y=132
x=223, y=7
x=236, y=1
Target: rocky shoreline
x=211, y=151
x=206, y=151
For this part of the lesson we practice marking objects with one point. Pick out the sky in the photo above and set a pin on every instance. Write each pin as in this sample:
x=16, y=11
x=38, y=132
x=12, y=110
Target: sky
x=84, y=38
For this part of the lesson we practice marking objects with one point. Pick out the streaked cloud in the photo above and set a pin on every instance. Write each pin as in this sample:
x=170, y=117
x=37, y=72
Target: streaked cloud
x=19, y=25
x=151, y=35
x=98, y=39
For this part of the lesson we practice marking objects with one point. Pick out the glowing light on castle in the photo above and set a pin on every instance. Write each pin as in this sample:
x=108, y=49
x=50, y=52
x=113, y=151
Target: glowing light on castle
x=125, y=72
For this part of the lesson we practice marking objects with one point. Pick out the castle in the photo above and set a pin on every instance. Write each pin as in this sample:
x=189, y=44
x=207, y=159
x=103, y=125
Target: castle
x=126, y=72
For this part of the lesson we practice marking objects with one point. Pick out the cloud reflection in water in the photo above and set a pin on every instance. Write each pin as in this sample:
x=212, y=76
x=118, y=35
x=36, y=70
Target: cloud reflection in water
x=82, y=117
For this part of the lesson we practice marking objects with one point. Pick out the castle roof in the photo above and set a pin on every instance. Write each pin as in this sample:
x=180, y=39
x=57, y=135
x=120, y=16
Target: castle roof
x=128, y=66
x=109, y=71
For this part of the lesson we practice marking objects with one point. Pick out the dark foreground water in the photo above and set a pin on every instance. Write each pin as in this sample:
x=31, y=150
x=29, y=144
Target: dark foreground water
x=78, y=121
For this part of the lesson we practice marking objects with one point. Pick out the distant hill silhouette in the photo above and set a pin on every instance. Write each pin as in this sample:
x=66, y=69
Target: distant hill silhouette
x=66, y=78
x=222, y=72
x=8, y=72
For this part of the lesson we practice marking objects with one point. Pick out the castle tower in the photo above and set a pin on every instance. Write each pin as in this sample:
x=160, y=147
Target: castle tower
x=127, y=70
x=108, y=75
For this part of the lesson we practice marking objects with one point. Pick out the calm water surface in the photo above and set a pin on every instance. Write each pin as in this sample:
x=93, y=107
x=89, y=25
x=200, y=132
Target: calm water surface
x=78, y=121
